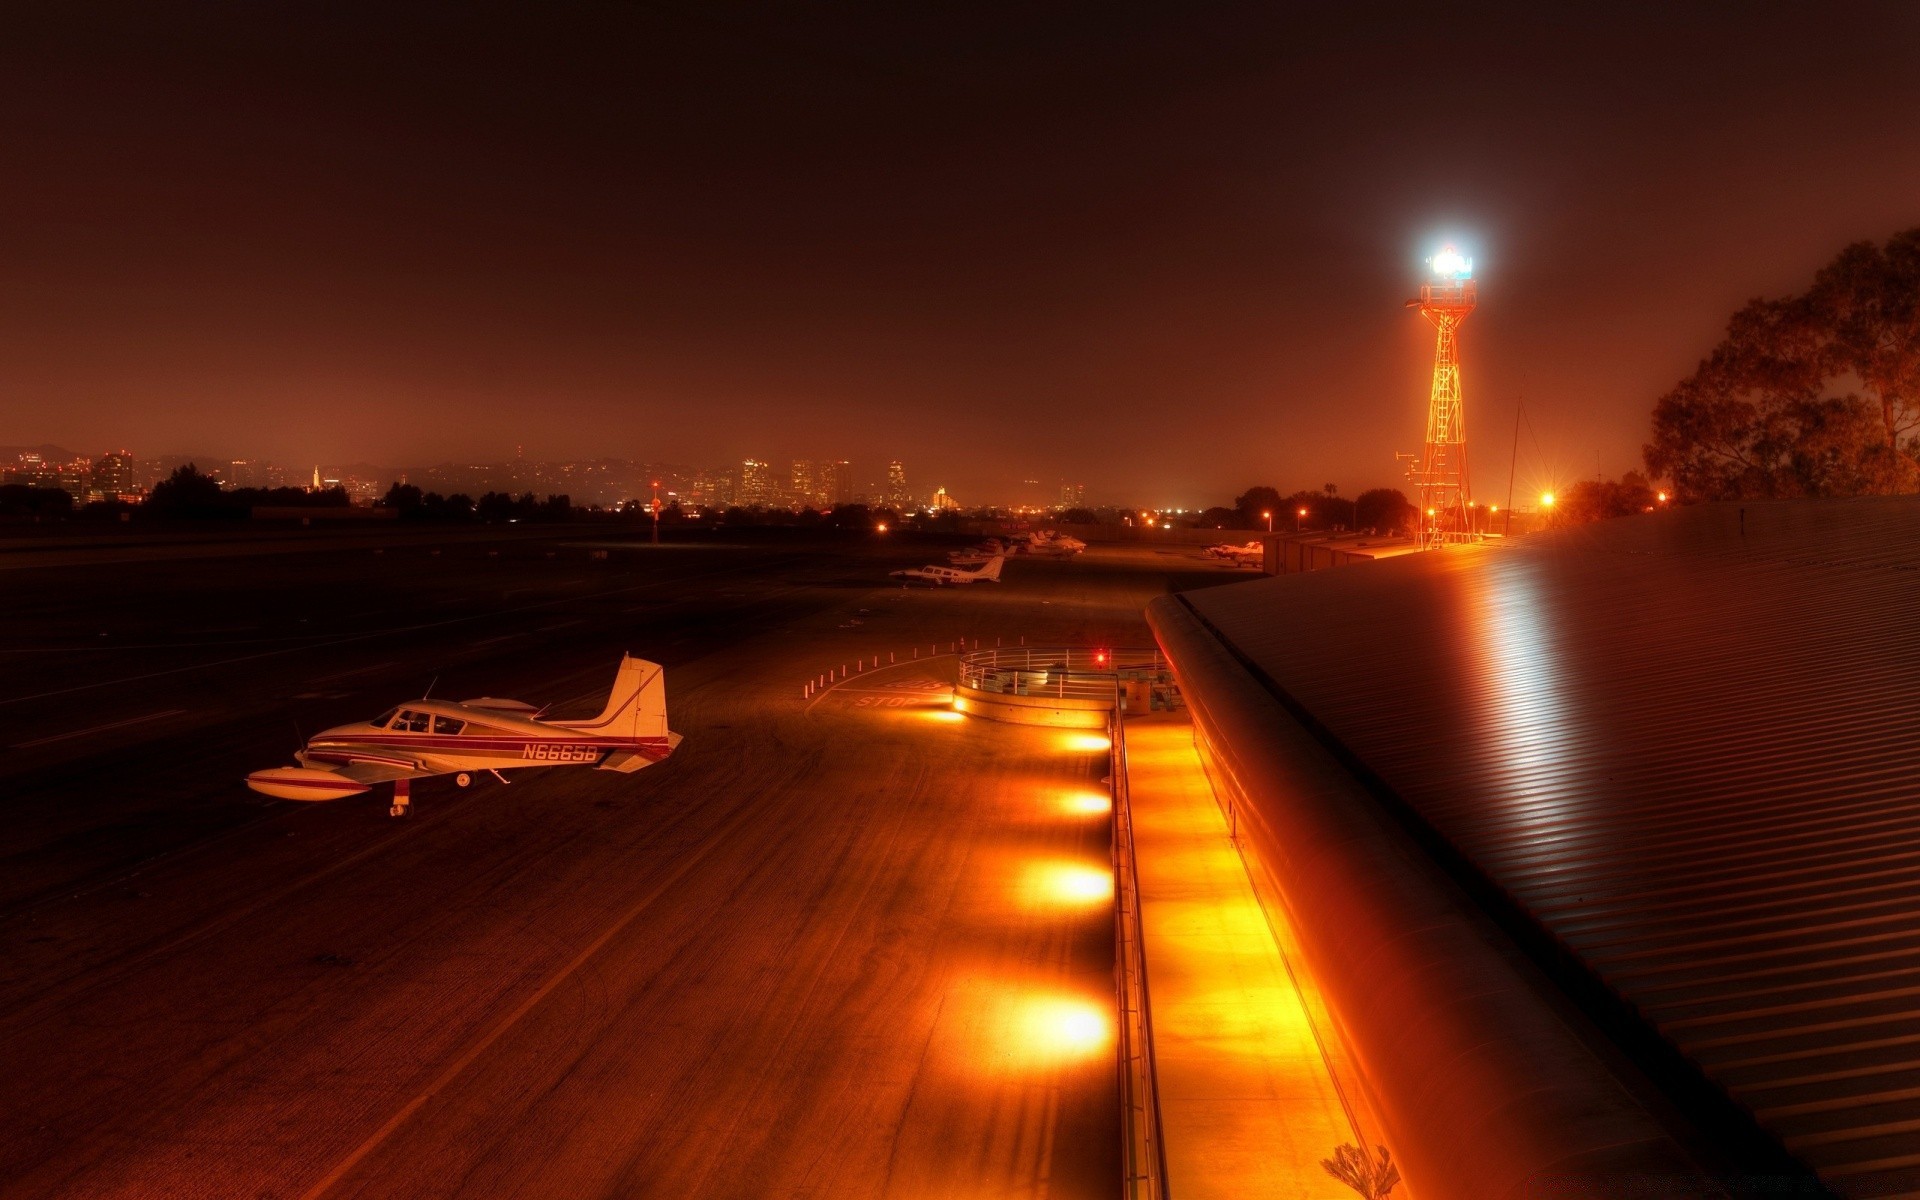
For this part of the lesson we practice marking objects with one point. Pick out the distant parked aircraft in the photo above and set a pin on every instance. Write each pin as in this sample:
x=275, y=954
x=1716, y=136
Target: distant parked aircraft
x=438, y=737
x=942, y=576
x=1249, y=555
x=1050, y=544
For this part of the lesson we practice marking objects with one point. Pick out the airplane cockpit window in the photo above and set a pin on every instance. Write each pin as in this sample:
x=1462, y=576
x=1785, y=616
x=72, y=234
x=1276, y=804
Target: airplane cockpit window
x=380, y=722
x=417, y=722
x=448, y=725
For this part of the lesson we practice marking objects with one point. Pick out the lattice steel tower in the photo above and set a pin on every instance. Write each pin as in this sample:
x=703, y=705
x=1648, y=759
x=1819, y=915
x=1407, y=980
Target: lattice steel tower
x=1439, y=475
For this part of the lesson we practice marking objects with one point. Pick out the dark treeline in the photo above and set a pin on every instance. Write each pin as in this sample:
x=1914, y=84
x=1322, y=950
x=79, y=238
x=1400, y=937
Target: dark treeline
x=1378, y=510
x=188, y=493
x=40, y=503
x=412, y=504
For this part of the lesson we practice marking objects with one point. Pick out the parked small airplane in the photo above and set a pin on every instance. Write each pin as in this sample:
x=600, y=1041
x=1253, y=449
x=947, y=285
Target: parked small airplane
x=942, y=576
x=1048, y=544
x=438, y=737
x=1249, y=555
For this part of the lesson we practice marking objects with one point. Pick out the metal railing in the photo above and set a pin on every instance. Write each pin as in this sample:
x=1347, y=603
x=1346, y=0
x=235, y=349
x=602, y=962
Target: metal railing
x=1059, y=671
x=1143, y=1158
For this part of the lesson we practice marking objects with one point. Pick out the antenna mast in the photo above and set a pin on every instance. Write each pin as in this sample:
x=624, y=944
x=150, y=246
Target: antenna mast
x=1439, y=475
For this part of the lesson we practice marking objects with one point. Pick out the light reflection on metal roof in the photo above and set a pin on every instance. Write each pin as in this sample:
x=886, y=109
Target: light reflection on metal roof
x=1688, y=744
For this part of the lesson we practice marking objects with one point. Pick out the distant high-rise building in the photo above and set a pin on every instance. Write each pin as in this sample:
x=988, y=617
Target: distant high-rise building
x=941, y=502
x=241, y=473
x=837, y=483
x=113, y=475
x=756, y=484
x=803, y=485
x=74, y=477
x=710, y=489
x=897, y=493
x=1072, y=495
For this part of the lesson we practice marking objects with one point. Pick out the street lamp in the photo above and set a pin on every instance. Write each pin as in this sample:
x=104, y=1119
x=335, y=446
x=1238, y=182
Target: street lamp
x=1269, y=517
x=1297, y=516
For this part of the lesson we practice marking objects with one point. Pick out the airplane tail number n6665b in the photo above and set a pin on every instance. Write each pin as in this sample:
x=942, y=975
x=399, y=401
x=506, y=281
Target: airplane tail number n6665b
x=423, y=738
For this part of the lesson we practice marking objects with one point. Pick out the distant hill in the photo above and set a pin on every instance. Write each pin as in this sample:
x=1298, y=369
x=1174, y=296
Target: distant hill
x=49, y=452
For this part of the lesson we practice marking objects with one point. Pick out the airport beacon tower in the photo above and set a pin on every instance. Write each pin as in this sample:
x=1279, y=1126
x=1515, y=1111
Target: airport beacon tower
x=1439, y=475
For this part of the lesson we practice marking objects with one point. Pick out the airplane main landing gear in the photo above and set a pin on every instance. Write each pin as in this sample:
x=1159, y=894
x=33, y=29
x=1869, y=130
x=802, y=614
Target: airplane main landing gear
x=401, y=798
x=463, y=779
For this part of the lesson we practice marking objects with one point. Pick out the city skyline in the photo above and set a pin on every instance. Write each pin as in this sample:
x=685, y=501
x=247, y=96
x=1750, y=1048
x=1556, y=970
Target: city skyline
x=606, y=480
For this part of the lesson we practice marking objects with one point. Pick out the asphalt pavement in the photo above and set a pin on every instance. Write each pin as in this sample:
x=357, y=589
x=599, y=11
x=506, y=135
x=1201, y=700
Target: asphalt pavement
x=843, y=944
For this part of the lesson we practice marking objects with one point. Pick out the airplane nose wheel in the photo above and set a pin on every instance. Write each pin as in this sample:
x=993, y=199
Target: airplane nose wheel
x=463, y=779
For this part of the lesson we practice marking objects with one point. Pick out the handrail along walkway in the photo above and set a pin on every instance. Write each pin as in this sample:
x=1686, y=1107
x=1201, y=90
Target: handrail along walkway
x=1143, y=1157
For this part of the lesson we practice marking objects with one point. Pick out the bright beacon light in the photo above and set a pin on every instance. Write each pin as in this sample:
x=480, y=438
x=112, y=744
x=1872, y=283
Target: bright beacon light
x=1451, y=264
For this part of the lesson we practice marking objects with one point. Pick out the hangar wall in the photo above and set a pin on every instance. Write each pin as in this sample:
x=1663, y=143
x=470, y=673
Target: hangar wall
x=1484, y=1089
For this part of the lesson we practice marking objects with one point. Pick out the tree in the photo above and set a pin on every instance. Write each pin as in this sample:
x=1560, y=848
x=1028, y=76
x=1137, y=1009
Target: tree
x=1598, y=499
x=1373, y=1178
x=1256, y=500
x=1383, y=510
x=1324, y=511
x=851, y=516
x=1771, y=411
x=1866, y=303
x=403, y=498
x=188, y=493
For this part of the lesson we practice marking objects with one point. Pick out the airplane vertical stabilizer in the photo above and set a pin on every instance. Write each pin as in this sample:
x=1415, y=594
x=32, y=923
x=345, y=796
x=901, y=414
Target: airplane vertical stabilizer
x=992, y=569
x=637, y=705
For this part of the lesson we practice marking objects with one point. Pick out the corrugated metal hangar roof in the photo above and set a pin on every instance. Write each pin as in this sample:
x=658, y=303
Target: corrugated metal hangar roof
x=1687, y=745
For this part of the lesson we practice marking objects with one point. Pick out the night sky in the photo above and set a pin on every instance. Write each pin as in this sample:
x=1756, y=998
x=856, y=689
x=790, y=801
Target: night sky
x=1159, y=250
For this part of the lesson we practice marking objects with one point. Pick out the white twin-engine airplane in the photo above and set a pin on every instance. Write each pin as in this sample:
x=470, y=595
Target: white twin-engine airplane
x=942, y=576
x=1050, y=544
x=1249, y=555
x=438, y=737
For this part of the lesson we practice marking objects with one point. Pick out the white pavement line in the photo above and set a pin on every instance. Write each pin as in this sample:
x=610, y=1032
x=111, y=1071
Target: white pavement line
x=840, y=684
x=349, y=674
x=458, y=1065
x=61, y=737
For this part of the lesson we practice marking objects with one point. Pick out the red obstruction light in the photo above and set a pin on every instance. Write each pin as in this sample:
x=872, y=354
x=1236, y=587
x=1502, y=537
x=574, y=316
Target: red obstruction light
x=1100, y=658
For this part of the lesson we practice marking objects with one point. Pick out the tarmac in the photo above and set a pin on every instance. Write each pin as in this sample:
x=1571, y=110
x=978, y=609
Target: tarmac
x=838, y=945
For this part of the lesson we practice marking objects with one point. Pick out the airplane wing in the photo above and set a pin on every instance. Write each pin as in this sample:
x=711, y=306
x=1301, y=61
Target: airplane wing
x=364, y=767
x=381, y=772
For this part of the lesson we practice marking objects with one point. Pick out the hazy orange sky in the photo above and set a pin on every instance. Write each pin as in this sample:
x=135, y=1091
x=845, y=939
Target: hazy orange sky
x=1162, y=250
